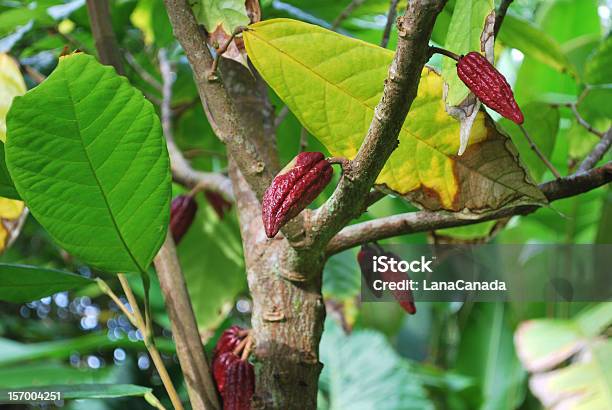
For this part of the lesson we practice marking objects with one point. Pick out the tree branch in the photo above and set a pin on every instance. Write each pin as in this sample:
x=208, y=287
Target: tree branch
x=200, y=386
x=354, y=4
x=501, y=14
x=598, y=152
x=218, y=105
x=182, y=172
x=391, y=14
x=424, y=221
x=102, y=30
x=414, y=31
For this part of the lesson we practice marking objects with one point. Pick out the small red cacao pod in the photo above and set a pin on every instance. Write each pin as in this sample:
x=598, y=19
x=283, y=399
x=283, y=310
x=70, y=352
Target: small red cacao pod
x=229, y=340
x=293, y=189
x=239, y=386
x=404, y=297
x=219, y=204
x=182, y=213
x=220, y=367
x=489, y=85
x=365, y=257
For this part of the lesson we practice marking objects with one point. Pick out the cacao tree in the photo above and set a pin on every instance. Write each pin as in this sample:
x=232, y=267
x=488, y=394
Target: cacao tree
x=219, y=175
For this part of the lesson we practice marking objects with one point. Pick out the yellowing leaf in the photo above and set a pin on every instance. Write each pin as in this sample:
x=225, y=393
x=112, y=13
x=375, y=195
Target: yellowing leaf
x=11, y=85
x=11, y=212
x=332, y=84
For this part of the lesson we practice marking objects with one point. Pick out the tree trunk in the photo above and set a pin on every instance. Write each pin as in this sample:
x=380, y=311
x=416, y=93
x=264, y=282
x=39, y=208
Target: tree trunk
x=285, y=284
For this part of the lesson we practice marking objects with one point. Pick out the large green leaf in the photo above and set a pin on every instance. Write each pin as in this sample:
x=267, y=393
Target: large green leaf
x=534, y=42
x=332, y=84
x=464, y=35
x=21, y=283
x=362, y=371
x=86, y=153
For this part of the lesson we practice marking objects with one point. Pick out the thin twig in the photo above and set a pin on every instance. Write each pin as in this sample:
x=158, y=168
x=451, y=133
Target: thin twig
x=424, y=221
x=213, y=70
x=433, y=50
x=598, y=152
x=198, y=379
x=500, y=15
x=182, y=172
x=280, y=117
x=391, y=15
x=144, y=74
x=346, y=13
x=135, y=318
x=104, y=36
x=539, y=153
x=583, y=122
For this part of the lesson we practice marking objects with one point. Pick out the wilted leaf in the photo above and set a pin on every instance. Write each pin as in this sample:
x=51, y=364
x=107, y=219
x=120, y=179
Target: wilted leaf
x=21, y=283
x=464, y=35
x=11, y=85
x=94, y=170
x=332, y=84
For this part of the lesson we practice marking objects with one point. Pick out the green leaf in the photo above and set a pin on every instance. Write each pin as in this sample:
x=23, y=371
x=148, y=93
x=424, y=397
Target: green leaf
x=86, y=154
x=332, y=84
x=542, y=125
x=12, y=352
x=362, y=371
x=464, y=35
x=597, y=69
x=214, y=285
x=486, y=353
x=21, y=283
x=37, y=374
x=228, y=14
x=7, y=188
x=87, y=391
x=534, y=42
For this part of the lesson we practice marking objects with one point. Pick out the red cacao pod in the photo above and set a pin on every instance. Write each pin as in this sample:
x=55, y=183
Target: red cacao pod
x=220, y=367
x=230, y=338
x=365, y=257
x=219, y=204
x=182, y=213
x=403, y=297
x=293, y=189
x=239, y=386
x=489, y=85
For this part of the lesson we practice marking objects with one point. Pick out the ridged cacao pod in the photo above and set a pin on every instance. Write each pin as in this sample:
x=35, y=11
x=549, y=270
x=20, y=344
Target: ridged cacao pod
x=489, y=85
x=293, y=189
x=365, y=258
x=239, y=386
x=404, y=297
x=182, y=213
x=230, y=338
x=220, y=367
x=219, y=204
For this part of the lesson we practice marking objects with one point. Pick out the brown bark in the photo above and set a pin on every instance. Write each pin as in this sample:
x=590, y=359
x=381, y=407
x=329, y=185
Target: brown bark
x=104, y=36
